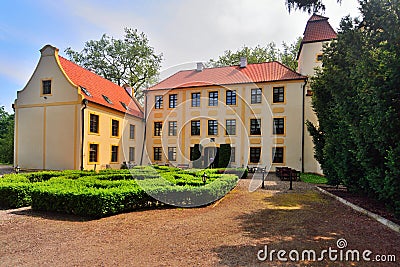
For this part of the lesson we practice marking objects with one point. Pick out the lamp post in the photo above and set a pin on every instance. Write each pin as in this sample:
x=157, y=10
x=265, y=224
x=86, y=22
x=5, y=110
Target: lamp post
x=204, y=178
x=263, y=176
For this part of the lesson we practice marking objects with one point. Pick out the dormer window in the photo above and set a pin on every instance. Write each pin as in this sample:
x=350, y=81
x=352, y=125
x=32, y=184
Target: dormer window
x=124, y=105
x=85, y=91
x=107, y=99
x=46, y=87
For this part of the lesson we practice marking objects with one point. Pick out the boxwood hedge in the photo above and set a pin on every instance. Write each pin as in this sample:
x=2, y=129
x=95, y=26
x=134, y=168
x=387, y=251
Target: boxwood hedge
x=103, y=193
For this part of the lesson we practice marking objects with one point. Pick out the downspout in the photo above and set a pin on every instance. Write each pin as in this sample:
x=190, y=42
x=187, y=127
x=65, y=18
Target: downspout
x=303, y=126
x=145, y=127
x=84, y=103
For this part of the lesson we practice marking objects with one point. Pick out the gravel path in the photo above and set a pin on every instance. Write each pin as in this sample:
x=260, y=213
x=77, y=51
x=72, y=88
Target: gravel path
x=4, y=169
x=228, y=233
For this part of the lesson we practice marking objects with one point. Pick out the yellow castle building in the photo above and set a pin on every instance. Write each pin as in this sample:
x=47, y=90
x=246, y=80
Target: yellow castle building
x=69, y=118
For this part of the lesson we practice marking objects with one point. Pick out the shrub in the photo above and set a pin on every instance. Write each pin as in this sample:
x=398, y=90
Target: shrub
x=15, y=191
x=109, y=192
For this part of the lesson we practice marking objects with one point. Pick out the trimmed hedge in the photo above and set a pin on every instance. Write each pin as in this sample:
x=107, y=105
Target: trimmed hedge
x=108, y=192
x=15, y=191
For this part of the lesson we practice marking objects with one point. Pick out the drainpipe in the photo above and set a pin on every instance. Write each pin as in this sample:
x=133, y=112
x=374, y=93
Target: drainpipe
x=84, y=103
x=303, y=126
x=145, y=127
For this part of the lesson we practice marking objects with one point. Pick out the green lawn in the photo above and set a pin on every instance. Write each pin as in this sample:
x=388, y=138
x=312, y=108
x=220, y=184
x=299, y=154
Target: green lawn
x=313, y=178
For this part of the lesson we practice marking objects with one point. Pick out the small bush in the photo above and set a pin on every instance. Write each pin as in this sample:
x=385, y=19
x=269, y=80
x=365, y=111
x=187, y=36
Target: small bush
x=313, y=178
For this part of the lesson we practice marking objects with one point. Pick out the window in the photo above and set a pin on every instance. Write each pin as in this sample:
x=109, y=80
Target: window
x=255, y=153
x=172, y=128
x=279, y=126
x=195, y=99
x=157, y=128
x=86, y=91
x=93, y=152
x=107, y=99
x=231, y=97
x=230, y=127
x=173, y=99
x=277, y=154
x=172, y=153
x=319, y=57
x=159, y=102
x=132, y=131
x=195, y=127
x=255, y=126
x=279, y=95
x=131, y=154
x=212, y=127
x=157, y=153
x=114, y=153
x=46, y=87
x=94, y=123
x=256, y=95
x=124, y=105
x=114, y=128
x=233, y=154
x=213, y=98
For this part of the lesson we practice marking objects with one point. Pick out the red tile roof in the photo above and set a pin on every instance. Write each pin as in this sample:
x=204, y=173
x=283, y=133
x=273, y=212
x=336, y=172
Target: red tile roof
x=318, y=29
x=252, y=73
x=97, y=86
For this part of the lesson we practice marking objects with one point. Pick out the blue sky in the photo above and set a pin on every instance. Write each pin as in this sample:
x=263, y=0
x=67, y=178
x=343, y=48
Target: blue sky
x=185, y=31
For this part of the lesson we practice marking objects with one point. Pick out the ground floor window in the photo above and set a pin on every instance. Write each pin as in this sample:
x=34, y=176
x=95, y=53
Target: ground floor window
x=255, y=153
x=172, y=153
x=157, y=153
x=131, y=154
x=93, y=152
x=114, y=153
x=277, y=154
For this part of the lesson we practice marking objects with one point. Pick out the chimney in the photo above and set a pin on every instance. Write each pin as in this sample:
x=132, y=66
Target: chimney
x=128, y=89
x=200, y=66
x=243, y=62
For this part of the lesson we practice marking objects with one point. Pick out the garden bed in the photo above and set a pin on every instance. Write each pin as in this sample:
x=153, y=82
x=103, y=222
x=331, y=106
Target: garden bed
x=104, y=193
x=363, y=201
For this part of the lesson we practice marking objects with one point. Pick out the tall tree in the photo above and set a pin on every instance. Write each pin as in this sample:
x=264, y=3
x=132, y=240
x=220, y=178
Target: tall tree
x=310, y=6
x=260, y=54
x=357, y=101
x=6, y=136
x=129, y=61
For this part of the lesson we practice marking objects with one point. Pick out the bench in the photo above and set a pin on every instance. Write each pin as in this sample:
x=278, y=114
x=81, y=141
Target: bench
x=286, y=173
x=255, y=169
x=183, y=166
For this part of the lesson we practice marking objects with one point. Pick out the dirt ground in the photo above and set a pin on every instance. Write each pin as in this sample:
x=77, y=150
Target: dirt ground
x=228, y=233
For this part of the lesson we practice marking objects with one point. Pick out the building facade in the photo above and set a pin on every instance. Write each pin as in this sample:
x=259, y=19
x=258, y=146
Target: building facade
x=69, y=118
x=254, y=108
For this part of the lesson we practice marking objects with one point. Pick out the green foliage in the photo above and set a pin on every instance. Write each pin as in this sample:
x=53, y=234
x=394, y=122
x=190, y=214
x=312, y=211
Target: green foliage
x=357, y=101
x=310, y=6
x=224, y=156
x=15, y=191
x=6, y=136
x=313, y=178
x=195, y=156
x=130, y=60
x=258, y=54
x=108, y=192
